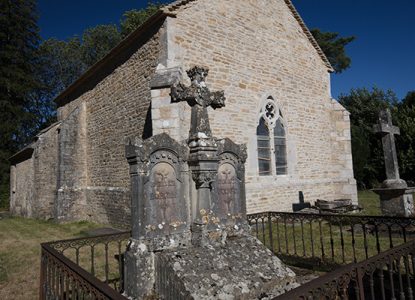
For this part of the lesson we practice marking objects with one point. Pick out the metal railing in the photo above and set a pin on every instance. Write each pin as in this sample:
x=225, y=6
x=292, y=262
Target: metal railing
x=91, y=268
x=83, y=268
x=388, y=275
x=327, y=241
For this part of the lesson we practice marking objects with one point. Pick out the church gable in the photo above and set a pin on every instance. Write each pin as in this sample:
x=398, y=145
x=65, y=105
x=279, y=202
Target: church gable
x=180, y=5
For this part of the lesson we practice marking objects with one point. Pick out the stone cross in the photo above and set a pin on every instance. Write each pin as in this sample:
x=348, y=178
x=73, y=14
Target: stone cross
x=203, y=158
x=199, y=97
x=388, y=131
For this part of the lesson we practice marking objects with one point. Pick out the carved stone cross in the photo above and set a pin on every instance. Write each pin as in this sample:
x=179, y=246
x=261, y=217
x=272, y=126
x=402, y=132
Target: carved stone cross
x=199, y=97
x=203, y=158
x=388, y=131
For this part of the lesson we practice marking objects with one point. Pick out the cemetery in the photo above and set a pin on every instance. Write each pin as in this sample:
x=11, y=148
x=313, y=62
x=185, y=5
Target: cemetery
x=192, y=239
x=203, y=156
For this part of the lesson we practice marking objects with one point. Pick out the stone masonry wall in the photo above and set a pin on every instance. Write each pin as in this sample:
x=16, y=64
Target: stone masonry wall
x=33, y=180
x=257, y=49
x=116, y=108
x=45, y=157
x=72, y=171
x=22, y=189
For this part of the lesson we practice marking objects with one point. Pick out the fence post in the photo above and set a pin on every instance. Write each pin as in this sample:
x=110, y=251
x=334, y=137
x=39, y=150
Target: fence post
x=43, y=268
x=359, y=284
x=271, y=239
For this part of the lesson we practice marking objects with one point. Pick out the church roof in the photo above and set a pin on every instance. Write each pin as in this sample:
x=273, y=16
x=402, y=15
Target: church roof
x=23, y=154
x=122, y=51
x=26, y=152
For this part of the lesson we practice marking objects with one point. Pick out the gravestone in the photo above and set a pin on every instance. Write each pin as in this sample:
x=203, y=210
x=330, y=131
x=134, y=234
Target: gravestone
x=301, y=204
x=160, y=208
x=395, y=197
x=190, y=237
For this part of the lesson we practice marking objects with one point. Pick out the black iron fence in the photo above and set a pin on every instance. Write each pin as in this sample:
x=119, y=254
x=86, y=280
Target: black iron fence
x=91, y=268
x=388, y=275
x=325, y=240
x=84, y=268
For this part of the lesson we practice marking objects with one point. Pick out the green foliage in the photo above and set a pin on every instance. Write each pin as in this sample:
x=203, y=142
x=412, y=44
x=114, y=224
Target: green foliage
x=18, y=42
x=59, y=63
x=404, y=118
x=97, y=42
x=364, y=107
x=333, y=47
x=132, y=19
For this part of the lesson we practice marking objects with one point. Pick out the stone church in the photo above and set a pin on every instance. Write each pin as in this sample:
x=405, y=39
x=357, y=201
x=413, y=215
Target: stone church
x=278, y=102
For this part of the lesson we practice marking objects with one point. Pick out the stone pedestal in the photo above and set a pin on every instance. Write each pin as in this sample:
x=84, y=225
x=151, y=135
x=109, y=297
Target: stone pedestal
x=396, y=201
x=139, y=264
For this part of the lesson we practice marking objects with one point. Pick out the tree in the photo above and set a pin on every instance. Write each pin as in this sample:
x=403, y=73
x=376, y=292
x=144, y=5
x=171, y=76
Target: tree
x=364, y=107
x=97, y=42
x=18, y=41
x=333, y=47
x=60, y=63
x=404, y=118
x=132, y=19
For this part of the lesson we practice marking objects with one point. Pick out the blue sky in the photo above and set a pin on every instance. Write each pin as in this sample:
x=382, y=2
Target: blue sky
x=383, y=54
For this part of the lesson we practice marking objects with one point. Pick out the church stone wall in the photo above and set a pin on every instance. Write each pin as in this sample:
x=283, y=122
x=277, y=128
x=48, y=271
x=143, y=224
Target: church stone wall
x=256, y=49
x=45, y=160
x=72, y=171
x=22, y=188
x=116, y=108
x=33, y=178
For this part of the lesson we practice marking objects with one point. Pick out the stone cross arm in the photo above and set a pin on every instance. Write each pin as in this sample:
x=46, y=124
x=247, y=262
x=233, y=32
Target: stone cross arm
x=385, y=125
x=386, y=128
x=197, y=93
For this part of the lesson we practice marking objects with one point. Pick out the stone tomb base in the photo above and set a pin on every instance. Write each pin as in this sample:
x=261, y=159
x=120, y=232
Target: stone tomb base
x=396, y=201
x=243, y=269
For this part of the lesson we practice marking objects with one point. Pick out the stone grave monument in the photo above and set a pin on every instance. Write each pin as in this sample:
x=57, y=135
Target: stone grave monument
x=395, y=197
x=190, y=238
x=301, y=204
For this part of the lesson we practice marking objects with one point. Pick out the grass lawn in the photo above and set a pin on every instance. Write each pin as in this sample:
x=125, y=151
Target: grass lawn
x=295, y=238
x=370, y=203
x=20, y=252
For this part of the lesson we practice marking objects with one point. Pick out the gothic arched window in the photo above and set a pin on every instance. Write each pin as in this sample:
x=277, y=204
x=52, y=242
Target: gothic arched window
x=271, y=138
x=264, y=148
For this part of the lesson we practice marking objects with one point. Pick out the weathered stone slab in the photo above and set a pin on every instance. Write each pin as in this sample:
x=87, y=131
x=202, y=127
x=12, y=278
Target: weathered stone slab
x=160, y=202
x=242, y=268
x=229, y=201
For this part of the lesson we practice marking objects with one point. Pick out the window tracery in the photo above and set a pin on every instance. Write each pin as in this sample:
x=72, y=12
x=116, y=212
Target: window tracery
x=271, y=139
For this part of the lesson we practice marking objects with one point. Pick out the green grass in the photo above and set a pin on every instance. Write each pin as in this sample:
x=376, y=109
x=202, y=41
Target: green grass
x=20, y=252
x=370, y=203
x=293, y=239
